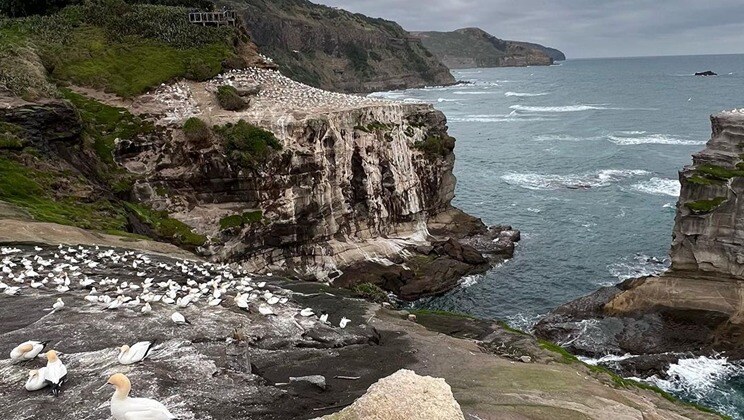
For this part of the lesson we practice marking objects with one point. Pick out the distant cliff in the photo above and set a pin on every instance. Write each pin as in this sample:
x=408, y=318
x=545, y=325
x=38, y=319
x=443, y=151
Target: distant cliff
x=337, y=50
x=473, y=47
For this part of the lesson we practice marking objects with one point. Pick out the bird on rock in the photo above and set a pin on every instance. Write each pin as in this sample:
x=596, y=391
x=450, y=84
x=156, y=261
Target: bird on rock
x=123, y=407
x=179, y=319
x=36, y=380
x=27, y=351
x=136, y=353
x=55, y=374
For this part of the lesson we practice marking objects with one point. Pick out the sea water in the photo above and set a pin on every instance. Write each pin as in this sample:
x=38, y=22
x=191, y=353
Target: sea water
x=583, y=158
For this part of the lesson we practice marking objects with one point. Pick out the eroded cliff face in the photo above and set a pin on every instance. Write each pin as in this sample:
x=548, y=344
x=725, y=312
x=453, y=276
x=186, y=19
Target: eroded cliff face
x=358, y=192
x=697, y=305
x=709, y=226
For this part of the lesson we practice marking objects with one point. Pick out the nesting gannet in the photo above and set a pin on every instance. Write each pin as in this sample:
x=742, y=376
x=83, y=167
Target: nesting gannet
x=136, y=353
x=324, y=318
x=56, y=373
x=179, y=319
x=344, y=322
x=36, y=380
x=27, y=350
x=59, y=304
x=265, y=310
x=146, y=309
x=307, y=312
x=125, y=408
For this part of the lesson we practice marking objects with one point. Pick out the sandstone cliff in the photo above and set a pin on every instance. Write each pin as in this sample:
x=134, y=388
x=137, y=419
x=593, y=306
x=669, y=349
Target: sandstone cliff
x=337, y=50
x=473, y=47
x=697, y=305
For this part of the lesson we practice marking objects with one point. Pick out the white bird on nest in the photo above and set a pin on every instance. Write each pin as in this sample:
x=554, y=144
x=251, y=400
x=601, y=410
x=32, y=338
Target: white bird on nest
x=36, y=380
x=136, y=353
x=344, y=322
x=123, y=407
x=59, y=304
x=179, y=319
x=307, y=312
x=27, y=350
x=146, y=309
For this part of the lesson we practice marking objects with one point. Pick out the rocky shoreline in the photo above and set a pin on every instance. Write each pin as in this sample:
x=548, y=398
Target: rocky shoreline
x=695, y=308
x=233, y=363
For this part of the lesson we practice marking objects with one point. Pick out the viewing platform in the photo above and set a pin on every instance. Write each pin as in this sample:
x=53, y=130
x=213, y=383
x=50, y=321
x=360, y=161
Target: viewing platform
x=225, y=17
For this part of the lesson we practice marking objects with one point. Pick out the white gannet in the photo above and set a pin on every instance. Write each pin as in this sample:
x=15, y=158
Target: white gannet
x=56, y=373
x=146, y=309
x=179, y=319
x=307, y=312
x=136, y=353
x=265, y=310
x=59, y=304
x=344, y=321
x=27, y=350
x=125, y=408
x=324, y=318
x=36, y=380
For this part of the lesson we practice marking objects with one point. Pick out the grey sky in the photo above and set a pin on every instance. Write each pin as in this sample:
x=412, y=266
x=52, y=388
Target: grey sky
x=580, y=28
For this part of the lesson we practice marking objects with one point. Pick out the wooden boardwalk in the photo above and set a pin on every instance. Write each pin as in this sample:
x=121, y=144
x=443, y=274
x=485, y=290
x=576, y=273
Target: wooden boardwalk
x=226, y=17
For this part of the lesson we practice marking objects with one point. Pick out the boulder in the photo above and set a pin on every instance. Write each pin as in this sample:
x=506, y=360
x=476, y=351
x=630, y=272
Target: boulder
x=706, y=73
x=404, y=395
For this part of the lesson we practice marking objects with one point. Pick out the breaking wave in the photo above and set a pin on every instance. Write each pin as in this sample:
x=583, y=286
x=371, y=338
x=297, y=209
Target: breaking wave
x=628, y=139
x=659, y=186
x=567, y=108
x=524, y=95
x=477, y=92
x=534, y=181
x=639, y=265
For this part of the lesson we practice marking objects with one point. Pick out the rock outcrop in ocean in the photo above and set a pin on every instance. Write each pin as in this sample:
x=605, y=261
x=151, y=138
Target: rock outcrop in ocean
x=694, y=308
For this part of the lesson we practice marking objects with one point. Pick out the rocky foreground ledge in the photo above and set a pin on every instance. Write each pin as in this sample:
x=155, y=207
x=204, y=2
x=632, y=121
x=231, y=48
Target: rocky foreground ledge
x=696, y=307
x=235, y=362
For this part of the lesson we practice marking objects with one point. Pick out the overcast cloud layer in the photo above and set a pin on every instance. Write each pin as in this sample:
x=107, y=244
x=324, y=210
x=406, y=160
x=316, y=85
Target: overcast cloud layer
x=580, y=28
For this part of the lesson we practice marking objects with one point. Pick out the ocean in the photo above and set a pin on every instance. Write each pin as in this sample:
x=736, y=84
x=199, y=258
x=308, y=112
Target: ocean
x=583, y=158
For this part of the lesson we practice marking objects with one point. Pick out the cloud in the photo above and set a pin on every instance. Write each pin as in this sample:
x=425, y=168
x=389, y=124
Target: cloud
x=580, y=28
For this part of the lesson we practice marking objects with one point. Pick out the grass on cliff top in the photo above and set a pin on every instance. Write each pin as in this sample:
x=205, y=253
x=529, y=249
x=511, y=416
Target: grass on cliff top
x=247, y=144
x=111, y=45
x=705, y=206
x=240, y=220
x=166, y=227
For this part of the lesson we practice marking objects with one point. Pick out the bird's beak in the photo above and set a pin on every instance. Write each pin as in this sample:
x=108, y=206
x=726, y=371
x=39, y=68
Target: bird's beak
x=103, y=386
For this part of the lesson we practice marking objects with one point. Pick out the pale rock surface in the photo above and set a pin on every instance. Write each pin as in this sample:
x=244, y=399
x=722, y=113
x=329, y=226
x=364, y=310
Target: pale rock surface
x=404, y=395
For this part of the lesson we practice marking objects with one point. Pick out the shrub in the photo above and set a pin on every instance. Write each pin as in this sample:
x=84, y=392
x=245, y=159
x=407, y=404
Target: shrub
x=371, y=292
x=240, y=220
x=196, y=131
x=18, y=8
x=228, y=98
x=436, y=146
x=247, y=144
x=166, y=227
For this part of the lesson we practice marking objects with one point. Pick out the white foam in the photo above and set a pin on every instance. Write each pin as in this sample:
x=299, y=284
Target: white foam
x=446, y=100
x=535, y=181
x=562, y=137
x=513, y=117
x=639, y=265
x=524, y=95
x=567, y=108
x=468, y=281
x=605, y=359
x=630, y=140
x=477, y=92
x=659, y=186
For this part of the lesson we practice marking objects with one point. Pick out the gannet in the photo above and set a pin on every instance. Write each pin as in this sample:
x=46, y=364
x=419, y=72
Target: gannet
x=56, y=373
x=343, y=322
x=59, y=304
x=179, y=319
x=136, y=353
x=307, y=312
x=36, y=380
x=125, y=408
x=146, y=309
x=265, y=310
x=324, y=318
x=27, y=350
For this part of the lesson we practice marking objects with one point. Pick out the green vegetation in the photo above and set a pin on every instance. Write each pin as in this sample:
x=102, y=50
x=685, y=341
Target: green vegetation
x=229, y=99
x=166, y=227
x=371, y=292
x=695, y=179
x=435, y=146
x=567, y=357
x=11, y=136
x=104, y=124
x=358, y=57
x=240, y=220
x=196, y=131
x=705, y=206
x=110, y=45
x=247, y=144
x=33, y=190
x=718, y=172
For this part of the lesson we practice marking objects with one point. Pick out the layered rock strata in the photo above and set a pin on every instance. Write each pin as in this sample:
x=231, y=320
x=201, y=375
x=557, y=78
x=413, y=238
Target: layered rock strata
x=355, y=186
x=697, y=306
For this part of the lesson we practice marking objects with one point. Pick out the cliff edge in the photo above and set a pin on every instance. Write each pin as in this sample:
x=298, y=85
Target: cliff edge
x=696, y=307
x=336, y=50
